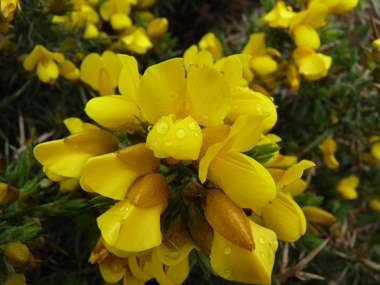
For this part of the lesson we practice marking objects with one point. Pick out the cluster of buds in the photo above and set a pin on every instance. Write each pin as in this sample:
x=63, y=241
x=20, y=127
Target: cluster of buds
x=191, y=184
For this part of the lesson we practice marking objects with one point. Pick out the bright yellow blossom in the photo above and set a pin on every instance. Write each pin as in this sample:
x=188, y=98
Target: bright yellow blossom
x=262, y=61
x=193, y=56
x=313, y=66
x=375, y=148
x=346, y=187
x=318, y=215
x=374, y=204
x=237, y=174
x=7, y=9
x=279, y=16
x=46, y=63
x=303, y=25
x=83, y=14
x=116, y=12
x=344, y=6
x=177, y=103
x=143, y=4
x=69, y=71
x=293, y=76
x=328, y=148
x=211, y=43
x=138, y=41
x=101, y=72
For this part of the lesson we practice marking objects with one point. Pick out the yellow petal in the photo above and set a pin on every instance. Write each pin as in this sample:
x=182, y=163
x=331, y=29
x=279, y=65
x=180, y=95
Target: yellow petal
x=292, y=174
x=47, y=70
x=263, y=64
x=304, y=35
x=112, y=111
x=140, y=269
x=211, y=43
x=237, y=264
x=113, y=66
x=160, y=88
x=69, y=71
x=130, y=228
x=129, y=79
x=90, y=70
x=91, y=31
x=244, y=180
x=112, y=269
x=39, y=53
x=75, y=125
x=69, y=185
x=231, y=67
x=158, y=27
x=60, y=158
x=120, y=21
x=285, y=218
x=255, y=45
x=346, y=187
x=297, y=187
x=180, y=140
x=344, y=6
x=318, y=215
x=374, y=204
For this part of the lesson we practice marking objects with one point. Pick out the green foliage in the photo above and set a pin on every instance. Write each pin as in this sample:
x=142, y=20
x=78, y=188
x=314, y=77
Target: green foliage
x=262, y=153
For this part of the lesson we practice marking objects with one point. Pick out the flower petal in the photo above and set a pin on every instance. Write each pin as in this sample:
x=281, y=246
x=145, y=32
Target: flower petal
x=129, y=79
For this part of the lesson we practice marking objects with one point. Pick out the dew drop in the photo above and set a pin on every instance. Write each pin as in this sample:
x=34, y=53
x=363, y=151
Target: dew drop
x=150, y=128
x=193, y=126
x=226, y=273
x=185, y=104
x=174, y=255
x=116, y=266
x=275, y=244
x=198, y=134
x=227, y=250
x=262, y=255
x=156, y=143
x=173, y=95
x=181, y=134
x=235, y=106
x=169, y=142
x=270, y=255
x=261, y=240
x=162, y=128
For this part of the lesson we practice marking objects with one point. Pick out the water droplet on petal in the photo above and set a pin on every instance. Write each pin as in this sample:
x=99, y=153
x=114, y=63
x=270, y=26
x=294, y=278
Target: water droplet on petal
x=227, y=250
x=173, y=95
x=185, y=104
x=261, y=240
x=226, y=273
x=162, y=128
x=156, y=143
x=271, y=255
x=235, y=106
x=181, y=134
x=174, y=255
x=116, y=266
x=169, y=142
x=275, y=244
x=198, y=134
x=150, y=128
x=262, y=255
x=193, y=126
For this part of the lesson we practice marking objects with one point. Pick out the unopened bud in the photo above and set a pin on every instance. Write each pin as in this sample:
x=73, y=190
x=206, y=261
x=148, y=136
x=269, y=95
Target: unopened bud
x=318, y=215
x=18, y=254
x=158, y=27
x=193, y=194
x=8, y=194
x=202, y=232
x=228, y=219
x=27, y=200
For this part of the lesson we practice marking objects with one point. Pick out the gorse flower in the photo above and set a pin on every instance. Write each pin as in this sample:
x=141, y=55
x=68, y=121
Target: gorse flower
x=328, y=148
x=279, y=16
x=346, y=187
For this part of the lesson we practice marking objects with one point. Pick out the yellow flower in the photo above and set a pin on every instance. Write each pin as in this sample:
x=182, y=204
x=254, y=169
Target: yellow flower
x=83, y=13
x=247, y=102
x=67, y=157
x=375, y=148
x=279, y=16
x=313, y=66
x=237, y=174
x=8, y=194
x=157, y=28
x=374, y=204
x=138, y=41
x=7, y=9
x=328, y=148
x=346, y=187
x=344, y=6
x=302, y=25
x=18, y=254
x=241, y=250
x=283, y=161
x=116, y=12
x=112, y=174
x=69, y=71
x=376, y=43
x=211, y=43
x=91, y=31
x=317, y=215
x=101, y=72
x=45, y=61
x=143, y=4
x=133, y=224
x=193, y=56
x=64, y=21
x=262, y=61
x=176, y=101
x=283, y=216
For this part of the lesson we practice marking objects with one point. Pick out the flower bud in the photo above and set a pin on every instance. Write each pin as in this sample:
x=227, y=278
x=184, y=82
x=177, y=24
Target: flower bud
x=192, y=194
x=202, y=232
x=346, y=187
x=15, y=279
x=318, y=215
x=27, y=200
x=228, y=219
x=158, y=27
x=18, y=254
x=8, y=194
x=374, y=204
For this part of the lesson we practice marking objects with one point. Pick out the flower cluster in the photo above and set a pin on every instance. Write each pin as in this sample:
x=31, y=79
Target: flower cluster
x=197, y=115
